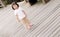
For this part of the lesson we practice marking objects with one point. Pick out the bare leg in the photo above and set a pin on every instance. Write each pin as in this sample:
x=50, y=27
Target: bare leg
x=27, y=3
x=27, y=23
x=2, y=3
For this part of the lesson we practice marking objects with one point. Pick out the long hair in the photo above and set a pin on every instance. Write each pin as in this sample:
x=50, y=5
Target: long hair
x=14, y=3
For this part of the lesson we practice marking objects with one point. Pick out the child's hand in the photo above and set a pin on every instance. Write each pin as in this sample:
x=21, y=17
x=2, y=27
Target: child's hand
x=17, y=20
x=24, y=13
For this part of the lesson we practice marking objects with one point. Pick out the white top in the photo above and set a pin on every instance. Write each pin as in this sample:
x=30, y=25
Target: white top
x=20, y=13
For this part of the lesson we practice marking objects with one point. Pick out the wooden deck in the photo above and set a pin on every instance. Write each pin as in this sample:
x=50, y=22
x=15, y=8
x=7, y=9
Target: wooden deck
x=44, y=17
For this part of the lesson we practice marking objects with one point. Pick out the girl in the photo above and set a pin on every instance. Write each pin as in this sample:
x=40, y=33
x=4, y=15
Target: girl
x=21, y=15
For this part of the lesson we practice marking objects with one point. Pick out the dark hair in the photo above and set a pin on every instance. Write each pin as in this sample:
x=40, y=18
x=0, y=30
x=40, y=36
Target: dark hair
x=14, y=3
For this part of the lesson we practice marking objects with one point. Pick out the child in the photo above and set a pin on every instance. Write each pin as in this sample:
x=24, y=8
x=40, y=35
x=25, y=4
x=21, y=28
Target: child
x=21, y=15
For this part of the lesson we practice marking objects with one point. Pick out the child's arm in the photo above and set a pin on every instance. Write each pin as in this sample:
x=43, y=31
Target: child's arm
x=17, y=18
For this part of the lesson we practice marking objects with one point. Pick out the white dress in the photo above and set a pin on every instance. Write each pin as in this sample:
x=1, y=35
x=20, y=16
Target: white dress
x=20, y=13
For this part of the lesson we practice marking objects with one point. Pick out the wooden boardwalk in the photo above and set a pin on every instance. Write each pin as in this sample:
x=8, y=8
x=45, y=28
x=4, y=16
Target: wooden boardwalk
x=44, y=17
